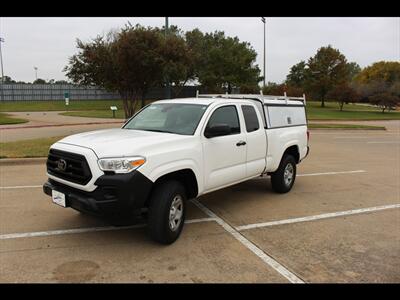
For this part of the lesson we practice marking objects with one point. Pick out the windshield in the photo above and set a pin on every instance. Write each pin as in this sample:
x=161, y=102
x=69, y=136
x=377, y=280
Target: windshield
x=176, y=118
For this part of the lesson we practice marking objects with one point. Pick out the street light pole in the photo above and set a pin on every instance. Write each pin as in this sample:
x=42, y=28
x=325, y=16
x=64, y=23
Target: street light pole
x=1, y=59
x=167, y=87
x=35, y=72
x=263, y=20
x=2, y=72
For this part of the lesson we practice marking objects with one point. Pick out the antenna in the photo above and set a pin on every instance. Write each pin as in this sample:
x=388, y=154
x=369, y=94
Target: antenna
x=284, y=94
x=197, y=93
x=304, y=98
x=261, y=93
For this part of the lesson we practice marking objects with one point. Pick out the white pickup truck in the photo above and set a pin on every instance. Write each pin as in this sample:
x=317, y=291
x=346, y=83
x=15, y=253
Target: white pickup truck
x=175, y=150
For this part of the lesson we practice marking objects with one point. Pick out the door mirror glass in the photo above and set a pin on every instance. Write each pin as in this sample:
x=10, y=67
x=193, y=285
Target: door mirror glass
x=217, y=130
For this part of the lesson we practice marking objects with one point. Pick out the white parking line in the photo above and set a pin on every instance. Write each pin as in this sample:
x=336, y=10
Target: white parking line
x=389, y=142
x=317, y=217
x=251, y=246
x=332, y=173
x=352, y=137
x=20, y=187
x=83, y=230
x=378, y=132
x=320, y=174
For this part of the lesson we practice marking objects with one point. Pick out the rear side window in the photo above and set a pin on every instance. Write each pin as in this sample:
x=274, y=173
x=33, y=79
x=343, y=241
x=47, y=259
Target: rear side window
x=250, y=118
x=225, y=115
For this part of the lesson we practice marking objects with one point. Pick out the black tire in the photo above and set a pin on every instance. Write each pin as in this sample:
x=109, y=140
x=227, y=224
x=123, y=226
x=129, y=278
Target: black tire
x=279, y=184
x=161, y=201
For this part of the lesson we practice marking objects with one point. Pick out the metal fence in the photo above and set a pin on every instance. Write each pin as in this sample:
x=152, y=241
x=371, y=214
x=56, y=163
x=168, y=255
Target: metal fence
x=43, y=92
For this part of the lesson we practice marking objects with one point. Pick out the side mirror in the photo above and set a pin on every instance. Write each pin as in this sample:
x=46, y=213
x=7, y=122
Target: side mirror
x=217, y=130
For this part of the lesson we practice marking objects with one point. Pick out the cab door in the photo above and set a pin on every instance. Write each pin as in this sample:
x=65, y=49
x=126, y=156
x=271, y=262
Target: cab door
x=256, y=141
x=225, y=155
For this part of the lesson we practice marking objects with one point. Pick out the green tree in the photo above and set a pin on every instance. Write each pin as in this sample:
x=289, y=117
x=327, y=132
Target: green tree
x=343, y=93
x=395, y=88
x=380, y=93
x=7, y=80
x=129, y=61
x=39, y=81
x=222, y=63
x=386, y=71
x=60, y=82
x=354, y=69
x=294, y=91
x=303, y=78
x=178, y=60
x=385, y=100
x=326, y=69
x=298, y=75
x=250, y=89
x=272, y=88
x=379, y=84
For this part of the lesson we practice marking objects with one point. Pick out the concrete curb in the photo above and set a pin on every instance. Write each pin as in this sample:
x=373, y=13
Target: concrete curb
x=22, y=161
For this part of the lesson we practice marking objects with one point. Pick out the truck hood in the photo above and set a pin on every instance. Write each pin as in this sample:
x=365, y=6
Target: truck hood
x=118, y=142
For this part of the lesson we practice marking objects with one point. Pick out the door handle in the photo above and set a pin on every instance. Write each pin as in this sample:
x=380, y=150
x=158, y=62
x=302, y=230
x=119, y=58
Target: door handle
x=240, y=143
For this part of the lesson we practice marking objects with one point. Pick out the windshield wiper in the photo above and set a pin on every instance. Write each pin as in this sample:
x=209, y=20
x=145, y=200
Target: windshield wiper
x=158, y=130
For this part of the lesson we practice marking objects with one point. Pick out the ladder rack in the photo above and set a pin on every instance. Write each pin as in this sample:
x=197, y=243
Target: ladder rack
x=253, y=97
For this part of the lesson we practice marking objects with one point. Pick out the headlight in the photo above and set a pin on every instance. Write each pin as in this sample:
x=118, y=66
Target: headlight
x=121, y=164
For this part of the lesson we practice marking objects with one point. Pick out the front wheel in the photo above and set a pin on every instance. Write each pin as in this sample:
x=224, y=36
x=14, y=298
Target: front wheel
x=283, y=179
x=166, y=215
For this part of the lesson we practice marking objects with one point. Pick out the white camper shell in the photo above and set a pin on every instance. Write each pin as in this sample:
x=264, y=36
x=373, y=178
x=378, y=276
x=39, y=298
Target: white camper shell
x=278, y=111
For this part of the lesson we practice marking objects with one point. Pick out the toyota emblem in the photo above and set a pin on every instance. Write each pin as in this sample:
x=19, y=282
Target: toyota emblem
x=62, y=165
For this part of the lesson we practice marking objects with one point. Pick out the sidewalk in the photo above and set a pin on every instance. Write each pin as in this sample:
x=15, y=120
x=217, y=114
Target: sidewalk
x=48, y=124
x=47, y=118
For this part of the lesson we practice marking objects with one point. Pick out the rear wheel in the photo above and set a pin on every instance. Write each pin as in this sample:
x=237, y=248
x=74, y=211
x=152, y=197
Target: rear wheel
x=282, y=180
x=166, y=215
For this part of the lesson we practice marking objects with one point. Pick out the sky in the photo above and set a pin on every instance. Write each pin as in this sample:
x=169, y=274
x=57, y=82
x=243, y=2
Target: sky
x=47, y=43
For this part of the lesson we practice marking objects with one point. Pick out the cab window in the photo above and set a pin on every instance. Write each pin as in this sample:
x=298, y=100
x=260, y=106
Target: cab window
x=226, y=115
x=250, y=118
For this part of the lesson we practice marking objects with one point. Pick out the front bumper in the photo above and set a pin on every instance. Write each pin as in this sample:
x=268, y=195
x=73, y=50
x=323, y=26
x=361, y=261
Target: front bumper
x=115, y=194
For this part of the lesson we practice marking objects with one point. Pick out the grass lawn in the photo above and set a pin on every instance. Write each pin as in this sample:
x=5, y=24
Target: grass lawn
x=7, y=119
x=60, y=105
x=27, y=148
x=345, y=126
x=350, y=112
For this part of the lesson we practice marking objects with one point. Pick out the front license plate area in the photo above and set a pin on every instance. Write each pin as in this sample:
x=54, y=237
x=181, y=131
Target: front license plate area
x=58, y=198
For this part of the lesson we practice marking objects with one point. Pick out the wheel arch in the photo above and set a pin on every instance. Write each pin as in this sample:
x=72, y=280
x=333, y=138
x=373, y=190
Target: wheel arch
x=185, y=176
x=292, y=150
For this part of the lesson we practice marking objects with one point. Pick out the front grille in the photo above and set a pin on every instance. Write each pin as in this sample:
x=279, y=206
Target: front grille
x=76, y=167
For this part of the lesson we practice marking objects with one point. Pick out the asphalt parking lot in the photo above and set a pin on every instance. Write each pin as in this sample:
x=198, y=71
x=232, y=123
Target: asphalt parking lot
x=340, y=223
